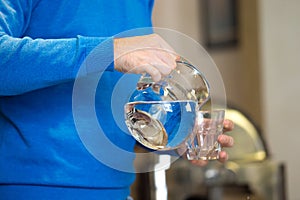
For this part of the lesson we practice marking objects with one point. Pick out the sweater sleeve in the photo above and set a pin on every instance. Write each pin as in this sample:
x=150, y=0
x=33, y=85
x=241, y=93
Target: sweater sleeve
x=28, y=64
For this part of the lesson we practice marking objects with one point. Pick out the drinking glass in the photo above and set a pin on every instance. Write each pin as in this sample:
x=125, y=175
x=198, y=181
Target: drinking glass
x=203, y=144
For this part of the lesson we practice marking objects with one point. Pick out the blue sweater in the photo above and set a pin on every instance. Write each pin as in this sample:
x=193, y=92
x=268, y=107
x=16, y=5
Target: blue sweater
x=42, y=45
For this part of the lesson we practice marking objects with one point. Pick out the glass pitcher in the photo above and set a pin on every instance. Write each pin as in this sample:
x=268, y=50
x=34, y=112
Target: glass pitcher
x=161, y=115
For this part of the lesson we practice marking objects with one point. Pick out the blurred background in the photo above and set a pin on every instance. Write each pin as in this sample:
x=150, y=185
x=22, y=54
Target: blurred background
x=256, y=46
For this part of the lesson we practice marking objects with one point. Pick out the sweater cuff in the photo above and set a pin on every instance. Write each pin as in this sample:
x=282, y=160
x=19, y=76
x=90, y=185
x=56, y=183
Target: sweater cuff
x=97, y=53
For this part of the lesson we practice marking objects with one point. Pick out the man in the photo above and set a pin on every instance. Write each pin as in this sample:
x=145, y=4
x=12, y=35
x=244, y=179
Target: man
x=43, y=43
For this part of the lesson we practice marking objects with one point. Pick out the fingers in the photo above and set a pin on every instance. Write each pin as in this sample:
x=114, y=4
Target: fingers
x=144, y=54
x=228, y=125
x=153, y=71
x=162, y=62
x=223, y=156
x=226, y=140
x=168, y=58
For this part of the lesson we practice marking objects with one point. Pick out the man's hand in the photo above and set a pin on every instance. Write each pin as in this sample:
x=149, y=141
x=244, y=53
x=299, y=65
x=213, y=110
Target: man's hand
x=224, y=140
x=144, y=54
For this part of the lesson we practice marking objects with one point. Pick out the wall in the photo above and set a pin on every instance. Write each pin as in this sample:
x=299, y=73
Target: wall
x=280, y=51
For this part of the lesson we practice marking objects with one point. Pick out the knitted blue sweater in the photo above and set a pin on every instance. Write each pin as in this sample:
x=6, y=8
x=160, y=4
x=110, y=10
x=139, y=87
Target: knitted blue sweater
x=42, y=45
